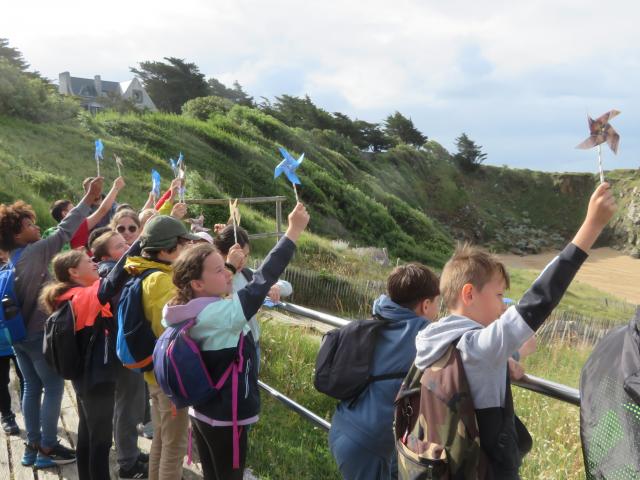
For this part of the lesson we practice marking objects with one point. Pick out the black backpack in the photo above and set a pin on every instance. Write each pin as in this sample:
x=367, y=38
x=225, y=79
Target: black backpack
x=343, y=364
x=60, y=347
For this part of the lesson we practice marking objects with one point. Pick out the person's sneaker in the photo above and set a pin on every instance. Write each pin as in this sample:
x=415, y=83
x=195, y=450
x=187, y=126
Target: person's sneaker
x=143, y=457
x=44, y=461
x=59, y=455
x=139, y=470
x=147, y=430
x=9, y=424
x=30, y=454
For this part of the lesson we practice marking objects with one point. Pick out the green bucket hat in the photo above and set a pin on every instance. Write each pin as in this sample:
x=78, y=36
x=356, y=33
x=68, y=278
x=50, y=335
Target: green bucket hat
x=162, y=233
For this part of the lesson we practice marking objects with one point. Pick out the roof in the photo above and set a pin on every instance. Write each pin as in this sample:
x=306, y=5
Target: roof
x=86, y=87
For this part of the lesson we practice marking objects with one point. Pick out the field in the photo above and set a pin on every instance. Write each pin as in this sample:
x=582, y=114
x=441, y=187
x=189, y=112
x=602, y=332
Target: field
x=284, y=446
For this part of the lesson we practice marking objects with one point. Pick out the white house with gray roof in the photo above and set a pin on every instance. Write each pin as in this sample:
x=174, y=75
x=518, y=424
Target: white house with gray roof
x=90, y=90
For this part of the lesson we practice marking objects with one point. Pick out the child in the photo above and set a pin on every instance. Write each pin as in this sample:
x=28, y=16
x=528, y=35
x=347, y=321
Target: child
x=472, y=285
x=77, y=280
x=18, y=230
x=224, y=240
x=361, y=435
x=127, y=224
x=161, y=242
x=80, y=238
x=201, y=279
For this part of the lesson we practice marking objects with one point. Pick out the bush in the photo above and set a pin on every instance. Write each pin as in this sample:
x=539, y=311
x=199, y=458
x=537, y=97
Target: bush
x=203, y=107
x=31, y=98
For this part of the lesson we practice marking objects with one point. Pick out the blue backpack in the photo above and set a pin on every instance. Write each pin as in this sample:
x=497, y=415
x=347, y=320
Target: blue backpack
x=12, y=329
x=135, y=340
x=180, y=370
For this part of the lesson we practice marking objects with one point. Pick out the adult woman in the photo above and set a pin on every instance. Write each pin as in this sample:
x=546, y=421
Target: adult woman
x=127, y=224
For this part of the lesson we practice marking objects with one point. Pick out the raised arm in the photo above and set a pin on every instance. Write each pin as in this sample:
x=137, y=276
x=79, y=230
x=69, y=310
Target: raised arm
x=107, y=203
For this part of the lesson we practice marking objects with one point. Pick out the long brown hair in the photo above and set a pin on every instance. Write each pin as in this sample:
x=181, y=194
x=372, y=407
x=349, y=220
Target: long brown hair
x=61, y=265
x=189, y=266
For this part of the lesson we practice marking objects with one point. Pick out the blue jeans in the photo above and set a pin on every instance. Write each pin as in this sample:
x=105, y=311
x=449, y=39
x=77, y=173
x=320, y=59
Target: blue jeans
x=40, y=418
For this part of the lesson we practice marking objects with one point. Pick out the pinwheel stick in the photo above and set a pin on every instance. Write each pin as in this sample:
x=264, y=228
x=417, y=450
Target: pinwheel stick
x=295, y=190
x=600, y=163
x=235, y=230
x=98, y=165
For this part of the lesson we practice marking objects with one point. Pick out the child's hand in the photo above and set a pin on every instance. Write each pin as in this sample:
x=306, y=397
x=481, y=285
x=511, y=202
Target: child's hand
x=219, y=227
x=601, y=208
x=179, y=210
x=118, y=183
x=95, y=190
x=274, y=293
x=298, y=220
x=516, y=370
x=236, y=256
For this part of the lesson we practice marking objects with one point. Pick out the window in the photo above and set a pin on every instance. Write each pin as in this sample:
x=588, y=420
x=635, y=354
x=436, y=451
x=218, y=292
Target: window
x=137, y=96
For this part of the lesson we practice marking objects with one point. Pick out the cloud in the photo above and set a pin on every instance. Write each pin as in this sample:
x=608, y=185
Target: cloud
x=519, y=77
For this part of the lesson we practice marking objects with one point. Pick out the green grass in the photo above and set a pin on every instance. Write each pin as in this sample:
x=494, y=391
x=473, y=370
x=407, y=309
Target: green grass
x=285, y=446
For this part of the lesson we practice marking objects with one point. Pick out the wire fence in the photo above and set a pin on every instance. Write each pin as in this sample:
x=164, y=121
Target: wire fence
x=352, y=298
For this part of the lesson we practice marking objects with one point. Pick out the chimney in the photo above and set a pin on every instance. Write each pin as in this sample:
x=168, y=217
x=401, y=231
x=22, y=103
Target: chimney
x=98, y=84
x=64, y=83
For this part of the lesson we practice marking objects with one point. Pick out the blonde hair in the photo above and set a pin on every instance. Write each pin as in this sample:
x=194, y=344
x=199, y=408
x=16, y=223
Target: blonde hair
x=146, y=215
x=123, y=214
x=189, y=266
x=469, y=264
x=61, y=264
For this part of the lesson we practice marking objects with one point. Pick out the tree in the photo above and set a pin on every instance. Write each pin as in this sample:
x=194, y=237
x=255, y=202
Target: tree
x=469, y=156
x=235, y=94
x=172, y=83
x=374, y=137
x=298, y=112
x=403, y=130
x=203, y=107
x=12, y=55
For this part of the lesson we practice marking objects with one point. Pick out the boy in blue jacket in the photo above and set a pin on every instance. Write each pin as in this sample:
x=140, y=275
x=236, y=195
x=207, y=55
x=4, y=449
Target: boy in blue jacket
x=361, y=436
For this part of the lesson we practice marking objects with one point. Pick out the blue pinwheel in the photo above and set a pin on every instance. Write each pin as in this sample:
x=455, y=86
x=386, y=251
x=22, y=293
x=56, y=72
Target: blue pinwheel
x=174, y=167
x=98, y=154
x=155, y=183
x=288, y=166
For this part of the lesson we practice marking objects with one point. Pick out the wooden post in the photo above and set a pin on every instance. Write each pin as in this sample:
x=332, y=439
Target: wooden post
x=279, y=218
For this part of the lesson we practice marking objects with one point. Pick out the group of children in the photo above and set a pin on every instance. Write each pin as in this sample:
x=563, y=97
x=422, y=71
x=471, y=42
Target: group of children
x=185, y=276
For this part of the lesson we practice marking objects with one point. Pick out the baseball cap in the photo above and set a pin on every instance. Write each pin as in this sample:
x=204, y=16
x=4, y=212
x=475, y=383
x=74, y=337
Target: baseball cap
x=162, y=233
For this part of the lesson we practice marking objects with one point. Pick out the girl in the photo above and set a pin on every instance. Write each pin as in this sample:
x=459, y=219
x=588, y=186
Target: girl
x=77, y=280
x=222, y=333
x=225, y=239
x=127, y=224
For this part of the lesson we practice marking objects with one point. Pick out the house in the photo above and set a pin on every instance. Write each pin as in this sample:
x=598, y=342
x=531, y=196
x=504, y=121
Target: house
x=90, y=90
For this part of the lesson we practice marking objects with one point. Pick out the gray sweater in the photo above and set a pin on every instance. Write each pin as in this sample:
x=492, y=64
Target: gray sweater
x=32, y=270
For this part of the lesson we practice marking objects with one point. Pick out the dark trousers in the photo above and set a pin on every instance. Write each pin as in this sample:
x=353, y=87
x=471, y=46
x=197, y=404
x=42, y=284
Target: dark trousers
x=5, y=395
x=95, y=429
x=215, y=448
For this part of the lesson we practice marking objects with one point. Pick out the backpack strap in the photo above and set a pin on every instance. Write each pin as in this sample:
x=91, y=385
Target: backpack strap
x=15, y=258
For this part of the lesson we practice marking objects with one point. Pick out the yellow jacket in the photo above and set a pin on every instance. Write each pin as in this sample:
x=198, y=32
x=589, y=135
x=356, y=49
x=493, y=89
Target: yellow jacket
x=157, y=290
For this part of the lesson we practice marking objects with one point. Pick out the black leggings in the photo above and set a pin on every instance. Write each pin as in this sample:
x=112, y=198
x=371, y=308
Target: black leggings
x=5, y=395
x=215, y=448
x=95, y=430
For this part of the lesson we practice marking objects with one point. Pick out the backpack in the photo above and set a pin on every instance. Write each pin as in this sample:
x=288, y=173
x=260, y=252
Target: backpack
x=11, y=321
x=343, y=364
x=181, y=372
x=60, y=348
x=135, y=340
x=435, y=425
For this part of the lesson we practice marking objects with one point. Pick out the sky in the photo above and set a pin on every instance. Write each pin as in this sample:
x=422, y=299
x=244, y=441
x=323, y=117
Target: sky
x=518, y=77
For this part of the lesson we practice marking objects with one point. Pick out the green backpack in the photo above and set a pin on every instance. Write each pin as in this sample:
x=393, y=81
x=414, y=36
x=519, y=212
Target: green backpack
x=435, y=425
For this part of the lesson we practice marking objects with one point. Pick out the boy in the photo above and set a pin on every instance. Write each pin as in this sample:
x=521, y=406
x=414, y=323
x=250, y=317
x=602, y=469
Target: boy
x=107, y=249
x=18, y=230
x=472, y=285
x=361, y=436
x=80, y=238
x=161, y=242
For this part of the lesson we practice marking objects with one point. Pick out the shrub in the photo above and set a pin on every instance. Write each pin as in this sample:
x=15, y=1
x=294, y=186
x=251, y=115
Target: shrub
x=203, y=107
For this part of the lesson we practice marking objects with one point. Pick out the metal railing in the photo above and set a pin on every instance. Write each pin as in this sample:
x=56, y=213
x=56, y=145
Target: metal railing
x=545, y=387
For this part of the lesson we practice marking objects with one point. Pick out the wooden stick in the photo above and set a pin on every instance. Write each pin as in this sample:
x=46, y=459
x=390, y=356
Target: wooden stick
x=295, y=190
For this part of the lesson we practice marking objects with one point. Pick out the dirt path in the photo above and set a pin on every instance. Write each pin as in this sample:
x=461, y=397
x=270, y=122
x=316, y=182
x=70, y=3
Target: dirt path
x=606, y=269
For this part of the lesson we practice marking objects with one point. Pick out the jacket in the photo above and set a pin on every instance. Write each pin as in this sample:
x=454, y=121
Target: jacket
x=485, y=351
x=217, y=332
x=369, y=421
x=157, y=290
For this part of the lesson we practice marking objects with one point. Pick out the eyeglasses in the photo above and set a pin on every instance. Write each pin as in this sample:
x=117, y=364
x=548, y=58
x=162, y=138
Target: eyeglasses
x=122, y=228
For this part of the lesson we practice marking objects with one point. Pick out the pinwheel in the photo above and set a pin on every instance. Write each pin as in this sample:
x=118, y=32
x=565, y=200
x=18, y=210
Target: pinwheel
x=600, y=132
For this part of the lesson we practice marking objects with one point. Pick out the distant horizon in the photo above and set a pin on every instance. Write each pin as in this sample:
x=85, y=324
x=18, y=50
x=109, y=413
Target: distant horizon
x=518, y=78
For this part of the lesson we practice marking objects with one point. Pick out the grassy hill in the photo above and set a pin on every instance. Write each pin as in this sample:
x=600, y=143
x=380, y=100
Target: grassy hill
x=414, y=202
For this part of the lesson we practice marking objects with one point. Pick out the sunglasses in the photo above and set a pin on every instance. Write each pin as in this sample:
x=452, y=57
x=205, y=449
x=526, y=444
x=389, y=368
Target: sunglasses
x=122, y=228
